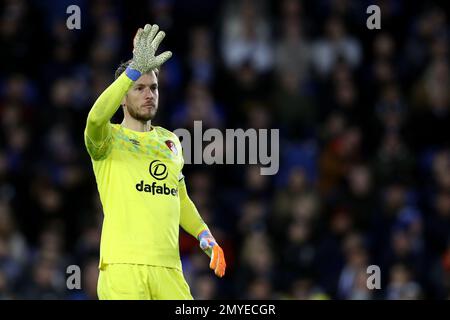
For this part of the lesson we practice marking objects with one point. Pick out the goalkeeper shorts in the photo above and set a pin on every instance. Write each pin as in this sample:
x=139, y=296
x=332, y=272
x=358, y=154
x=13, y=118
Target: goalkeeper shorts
x=120, y=281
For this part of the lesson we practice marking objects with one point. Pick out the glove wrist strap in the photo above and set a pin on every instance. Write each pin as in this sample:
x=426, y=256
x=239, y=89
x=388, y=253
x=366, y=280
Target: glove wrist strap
x=203, y=234
x=133, y=74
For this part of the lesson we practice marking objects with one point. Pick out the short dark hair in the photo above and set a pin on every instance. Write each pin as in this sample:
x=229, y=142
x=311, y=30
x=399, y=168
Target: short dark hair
x=122, y=67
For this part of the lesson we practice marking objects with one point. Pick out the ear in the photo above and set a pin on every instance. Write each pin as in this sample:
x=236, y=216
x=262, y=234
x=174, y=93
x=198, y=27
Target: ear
x=122, y=103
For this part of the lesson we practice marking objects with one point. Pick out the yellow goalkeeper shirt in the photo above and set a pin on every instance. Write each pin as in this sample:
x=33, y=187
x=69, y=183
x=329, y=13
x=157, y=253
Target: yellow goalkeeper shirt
x=141, y=186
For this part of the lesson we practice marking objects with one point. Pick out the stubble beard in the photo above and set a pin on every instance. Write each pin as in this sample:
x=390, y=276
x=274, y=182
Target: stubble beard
x=144, y=117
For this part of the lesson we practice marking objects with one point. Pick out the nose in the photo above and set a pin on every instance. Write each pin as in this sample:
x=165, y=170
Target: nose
x=148, y=94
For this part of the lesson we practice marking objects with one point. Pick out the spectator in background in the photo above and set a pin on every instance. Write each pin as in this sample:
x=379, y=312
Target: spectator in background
x=360, y=290
x=89, y=282
x=44, y=283
x=306, y=289
x=18, y=39
x=162, y=13
x=356, y=262
x=199, y=105
x=438, y=224
x=201, y=60
x=428, y=24
x=336, y=159
x=254, y=216
x=299, y=250
x=444, y=282
x=204, y=288
x=441, y=169
x=385, y=64
x=247, y=53
x=432, y=116
x=390, y=110
x=257, y=262
x=346, y=101
x=14, y=251
x=260, y=288
x=384, y=47
x=358, y=197
x=5, y=291
x=295, y=113
x=335, y=45
x=297, y=185
x=46, y=277
x=402, y=285
x=393, y=160
x=293, y=50
x=256, y=184
x=246, y=36
x=88, y=243
x=437, y=235
x=407, y=249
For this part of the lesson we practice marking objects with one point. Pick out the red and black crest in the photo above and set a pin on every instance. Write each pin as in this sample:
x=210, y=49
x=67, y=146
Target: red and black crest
x=171, y=145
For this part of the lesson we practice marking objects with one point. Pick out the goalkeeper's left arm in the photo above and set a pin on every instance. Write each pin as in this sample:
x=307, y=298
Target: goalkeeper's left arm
x=192, y=223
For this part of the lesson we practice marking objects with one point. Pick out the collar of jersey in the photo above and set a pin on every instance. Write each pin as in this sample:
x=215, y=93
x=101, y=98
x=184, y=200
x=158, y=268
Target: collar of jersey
x=139, y=133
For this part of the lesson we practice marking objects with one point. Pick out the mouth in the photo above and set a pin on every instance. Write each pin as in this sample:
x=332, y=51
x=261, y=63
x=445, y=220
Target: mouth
x=149, y=106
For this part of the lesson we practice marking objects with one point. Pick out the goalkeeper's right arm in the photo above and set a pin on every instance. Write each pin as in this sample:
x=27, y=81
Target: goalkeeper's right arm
x=98, y=127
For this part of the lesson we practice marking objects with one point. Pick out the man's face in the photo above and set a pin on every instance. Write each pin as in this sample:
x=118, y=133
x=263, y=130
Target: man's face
x=141, y=100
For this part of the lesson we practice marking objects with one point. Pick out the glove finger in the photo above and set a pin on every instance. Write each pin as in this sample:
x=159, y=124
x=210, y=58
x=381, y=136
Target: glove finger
x=137, y=37
x=163, y=57
x=147, y=28
x=152, y=33
x=221, y=264
x=217, y=268
x=159, y=37
x=213, y=263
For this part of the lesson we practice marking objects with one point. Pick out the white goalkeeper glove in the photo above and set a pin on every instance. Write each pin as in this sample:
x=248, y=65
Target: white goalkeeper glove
x=146, y=42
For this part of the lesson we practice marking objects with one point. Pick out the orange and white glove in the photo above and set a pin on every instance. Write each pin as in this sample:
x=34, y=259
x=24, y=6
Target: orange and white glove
x=214, y=251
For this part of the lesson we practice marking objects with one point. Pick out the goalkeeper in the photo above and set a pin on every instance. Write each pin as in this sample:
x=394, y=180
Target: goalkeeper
x=138, y=170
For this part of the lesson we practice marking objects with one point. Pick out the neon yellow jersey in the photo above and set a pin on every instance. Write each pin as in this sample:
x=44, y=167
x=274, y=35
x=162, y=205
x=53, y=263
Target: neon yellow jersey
x=141, y=186
x=138, y=186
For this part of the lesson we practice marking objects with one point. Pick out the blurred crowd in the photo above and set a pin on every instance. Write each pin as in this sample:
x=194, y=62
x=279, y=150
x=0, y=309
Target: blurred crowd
x=364, y=125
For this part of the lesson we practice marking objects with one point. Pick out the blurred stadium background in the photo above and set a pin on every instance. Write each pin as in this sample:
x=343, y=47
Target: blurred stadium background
x=364, y=153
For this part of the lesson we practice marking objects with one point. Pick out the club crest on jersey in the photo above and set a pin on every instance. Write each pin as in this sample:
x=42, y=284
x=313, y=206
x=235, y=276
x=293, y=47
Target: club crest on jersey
x=171, y=145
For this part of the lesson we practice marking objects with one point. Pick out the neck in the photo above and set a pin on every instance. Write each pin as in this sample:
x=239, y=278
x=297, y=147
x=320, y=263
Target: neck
x=136, y=125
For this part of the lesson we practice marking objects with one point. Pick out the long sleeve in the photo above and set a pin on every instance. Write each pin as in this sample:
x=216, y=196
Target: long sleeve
x=190, y=219
x=97, y=133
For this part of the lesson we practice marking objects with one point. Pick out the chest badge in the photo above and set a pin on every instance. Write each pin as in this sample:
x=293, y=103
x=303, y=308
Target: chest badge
x=171, y=145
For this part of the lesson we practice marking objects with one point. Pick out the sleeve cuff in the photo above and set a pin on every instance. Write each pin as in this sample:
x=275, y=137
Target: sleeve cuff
x=132, y=73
